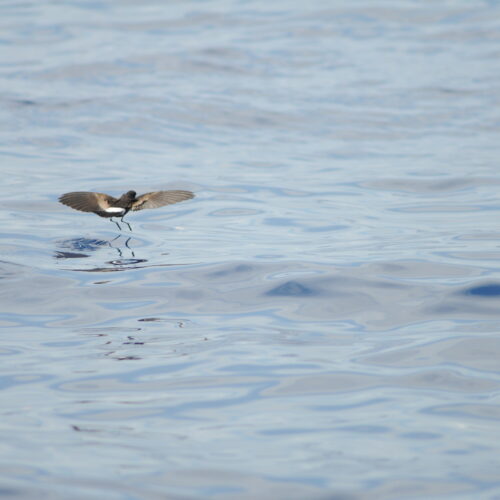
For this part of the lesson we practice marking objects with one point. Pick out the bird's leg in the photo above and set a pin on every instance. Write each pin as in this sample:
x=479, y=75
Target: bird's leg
x=119, y=227
x=125, y=222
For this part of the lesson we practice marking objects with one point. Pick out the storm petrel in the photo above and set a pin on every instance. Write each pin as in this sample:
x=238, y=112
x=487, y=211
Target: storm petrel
x=105, y=205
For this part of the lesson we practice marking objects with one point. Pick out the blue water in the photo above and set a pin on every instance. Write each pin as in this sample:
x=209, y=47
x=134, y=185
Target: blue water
x=322, y=320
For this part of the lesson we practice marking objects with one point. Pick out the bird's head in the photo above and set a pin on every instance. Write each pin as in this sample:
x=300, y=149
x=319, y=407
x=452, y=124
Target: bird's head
x=131, y=194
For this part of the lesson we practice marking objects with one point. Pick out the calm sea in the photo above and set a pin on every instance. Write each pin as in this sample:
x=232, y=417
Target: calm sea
x=322, y=320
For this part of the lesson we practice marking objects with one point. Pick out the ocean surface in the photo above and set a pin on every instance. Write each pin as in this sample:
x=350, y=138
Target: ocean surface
x=322, y=321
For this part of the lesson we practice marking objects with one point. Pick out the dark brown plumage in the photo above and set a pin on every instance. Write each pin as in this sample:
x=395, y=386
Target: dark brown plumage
x=105, y=205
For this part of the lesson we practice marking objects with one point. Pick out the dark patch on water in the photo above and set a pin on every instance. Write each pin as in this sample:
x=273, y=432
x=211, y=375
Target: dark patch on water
x=120, y=265
x=9, y=492
x=292, y=289
x=81, y=429
x=83, y=244
x=179, y=323
x=240, y=268
x=24, y=102
x=279, y=221
x=133, y=341
x=69, y=255
x=491, y=290
x=126, y=262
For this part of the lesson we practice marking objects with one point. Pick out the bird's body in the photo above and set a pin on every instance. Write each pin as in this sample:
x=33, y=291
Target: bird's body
x=105, y=205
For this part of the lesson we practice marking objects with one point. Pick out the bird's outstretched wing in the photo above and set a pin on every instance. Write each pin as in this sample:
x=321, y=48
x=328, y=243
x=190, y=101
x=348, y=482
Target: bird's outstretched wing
x=86, y=201
x=160, y=198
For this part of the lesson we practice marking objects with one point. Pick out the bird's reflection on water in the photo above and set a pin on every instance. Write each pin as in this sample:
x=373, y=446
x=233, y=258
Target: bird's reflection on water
x=127, y=241
x=78, y=248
